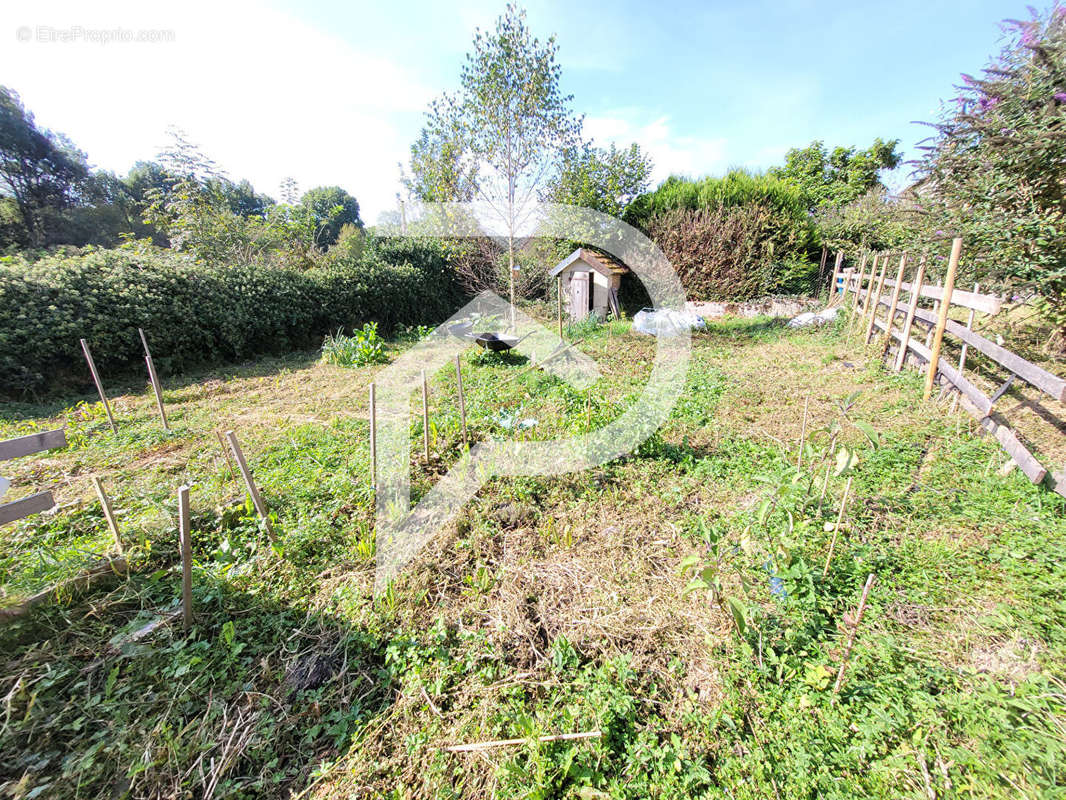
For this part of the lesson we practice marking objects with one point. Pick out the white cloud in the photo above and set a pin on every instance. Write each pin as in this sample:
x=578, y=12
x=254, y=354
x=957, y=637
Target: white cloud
x=671, y=153
x=264, y=94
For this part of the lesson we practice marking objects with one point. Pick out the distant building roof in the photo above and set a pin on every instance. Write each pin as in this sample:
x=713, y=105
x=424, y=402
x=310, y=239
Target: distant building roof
x=601, y=262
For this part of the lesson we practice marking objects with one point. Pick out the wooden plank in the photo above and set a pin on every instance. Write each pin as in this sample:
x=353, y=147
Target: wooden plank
x=425, y=415
x=249, y=482
x=895, y=299
x=912, y=308
x=186, y=555
x=462, y=399
x=33, y=443
x=112, y=523
x=985, y=303
x=156, y=388
x=34, y=504
x=876, y=300
x=942, y=317
x=1036, y=376
x=976, y=396
x=99, y=386
x=858, y=290
x=1026, y=461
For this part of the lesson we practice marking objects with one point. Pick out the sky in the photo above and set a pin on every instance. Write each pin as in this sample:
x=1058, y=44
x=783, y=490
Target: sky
x=333, y=93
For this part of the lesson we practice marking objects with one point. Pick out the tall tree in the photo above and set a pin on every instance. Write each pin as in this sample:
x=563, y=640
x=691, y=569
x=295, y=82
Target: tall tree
x=510, y=121
x=833, y=178
x=41, y=170
x=606, y=180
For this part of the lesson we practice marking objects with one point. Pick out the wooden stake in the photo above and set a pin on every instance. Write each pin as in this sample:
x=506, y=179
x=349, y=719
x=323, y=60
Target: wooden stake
x=249, y=482
x=425, y=415
x=559, y=303
x=969, y=327
x=373, y=437
x=942, y=318
x=462, y=400
x=108, y=514
x=916, y=291
x=858, y=287
x=894, y=302
x=155, y=381
x=560, y=737
x=876, y=302
x=836, y=528
x=821, y=267
x=803, y=431
x=225, y=452
x=854, y=630
x=936, y=313
x=825, y=483
x=99, y=385
x=186, y=555
x=836, y=274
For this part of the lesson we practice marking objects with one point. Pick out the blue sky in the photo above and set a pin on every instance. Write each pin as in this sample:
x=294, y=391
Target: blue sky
x=333, y=92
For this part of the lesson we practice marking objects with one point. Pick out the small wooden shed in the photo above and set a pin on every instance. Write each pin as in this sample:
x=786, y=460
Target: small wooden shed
x=588, y=283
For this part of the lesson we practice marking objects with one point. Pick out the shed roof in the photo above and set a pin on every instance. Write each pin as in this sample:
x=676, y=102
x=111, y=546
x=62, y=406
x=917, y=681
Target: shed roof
x=596, y=259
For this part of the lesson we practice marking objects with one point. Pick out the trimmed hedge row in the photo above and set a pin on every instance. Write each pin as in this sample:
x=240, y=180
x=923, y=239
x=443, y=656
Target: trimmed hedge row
x=195, y=313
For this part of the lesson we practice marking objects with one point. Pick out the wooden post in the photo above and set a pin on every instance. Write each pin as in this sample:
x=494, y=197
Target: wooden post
x=99, y=385
x=894, y=301
x=803, y=431
x=225, y=452
x=858, y=290
x=916, y=291
x=854, y=630
x=836, y=275
x=936, y=313
x=155, y=381
x=462, y=400
x=875, y=303
x=249, y=482
x=821, y=267
x=186, y=555
x=825, y=483
x=836, y=528
x=373, y=437
x=942, y=318
x=969, y=327
x=425, y=415
x=108, y=514
x=559, y=303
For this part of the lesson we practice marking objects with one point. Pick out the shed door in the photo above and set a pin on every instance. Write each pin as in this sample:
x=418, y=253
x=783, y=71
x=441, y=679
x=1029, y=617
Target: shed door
x=579, y=295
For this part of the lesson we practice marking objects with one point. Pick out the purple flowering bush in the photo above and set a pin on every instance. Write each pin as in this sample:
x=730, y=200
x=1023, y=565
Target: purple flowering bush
x=995, y=171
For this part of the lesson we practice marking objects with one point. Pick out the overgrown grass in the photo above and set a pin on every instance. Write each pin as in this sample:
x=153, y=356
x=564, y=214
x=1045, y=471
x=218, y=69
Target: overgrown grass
x=552, y=605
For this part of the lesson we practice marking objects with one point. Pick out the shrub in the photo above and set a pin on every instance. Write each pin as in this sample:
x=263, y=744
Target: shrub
x=362, y=348
x=195, y=313
x=731, y=238
x=733, y=253
x=994, y=171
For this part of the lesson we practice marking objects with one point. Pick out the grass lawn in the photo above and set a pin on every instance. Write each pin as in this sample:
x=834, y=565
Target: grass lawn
x=551, y=605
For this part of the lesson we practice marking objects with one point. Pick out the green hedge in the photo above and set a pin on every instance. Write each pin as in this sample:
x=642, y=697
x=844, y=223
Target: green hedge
x=195, y=313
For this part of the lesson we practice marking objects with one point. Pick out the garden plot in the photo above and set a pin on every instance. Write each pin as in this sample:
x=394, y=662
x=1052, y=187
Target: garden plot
x=551, y=606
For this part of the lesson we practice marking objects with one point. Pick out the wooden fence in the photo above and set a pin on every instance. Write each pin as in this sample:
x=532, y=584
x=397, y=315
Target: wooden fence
x=915, y=335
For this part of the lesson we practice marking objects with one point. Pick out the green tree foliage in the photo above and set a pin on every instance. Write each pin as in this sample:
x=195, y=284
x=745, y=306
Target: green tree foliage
x=41, y=170
x=840, y=176
x=505, y=130
x=332, y=208
x=606, y=180
x=438, y=172
x=995, y=171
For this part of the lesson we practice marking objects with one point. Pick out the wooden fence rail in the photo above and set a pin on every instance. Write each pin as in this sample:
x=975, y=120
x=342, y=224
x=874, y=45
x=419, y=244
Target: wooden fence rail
x=869, y=298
